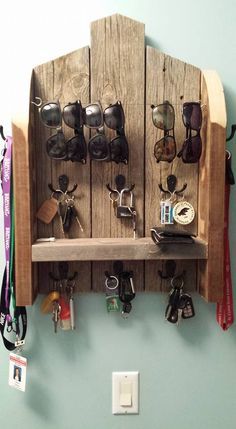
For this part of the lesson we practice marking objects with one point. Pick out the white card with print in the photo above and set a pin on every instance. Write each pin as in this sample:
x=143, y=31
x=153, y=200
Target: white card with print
x=17, y=371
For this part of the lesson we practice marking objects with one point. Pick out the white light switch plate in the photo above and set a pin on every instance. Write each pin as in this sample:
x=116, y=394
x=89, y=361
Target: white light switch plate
x=132, y=378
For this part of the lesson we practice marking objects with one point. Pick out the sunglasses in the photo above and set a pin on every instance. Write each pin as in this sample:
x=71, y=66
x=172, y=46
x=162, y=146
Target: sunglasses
x=117, y=149
x=74, y=116
x=192, y=146
x=163, y=117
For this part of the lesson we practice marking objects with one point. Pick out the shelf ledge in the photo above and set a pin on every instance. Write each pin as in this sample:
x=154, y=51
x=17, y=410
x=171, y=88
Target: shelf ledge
x=105, y=249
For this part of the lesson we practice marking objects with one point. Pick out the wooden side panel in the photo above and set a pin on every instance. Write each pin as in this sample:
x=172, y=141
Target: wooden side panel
x=168, y=79
x=212, y=187
x=24, y=278
x=117, y=73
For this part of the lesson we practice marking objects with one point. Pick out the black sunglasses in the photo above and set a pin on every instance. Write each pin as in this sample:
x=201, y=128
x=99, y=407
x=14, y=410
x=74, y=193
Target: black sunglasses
x=192, y=146
x=163, y=117
x=74, y=116
x=117, y=149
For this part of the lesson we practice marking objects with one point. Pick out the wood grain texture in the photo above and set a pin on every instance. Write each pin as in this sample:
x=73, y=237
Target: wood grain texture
x=212, y=187
x=24, y=276
x=65, y=79
x=118, y=74
x=99, y=249
x=169, y=79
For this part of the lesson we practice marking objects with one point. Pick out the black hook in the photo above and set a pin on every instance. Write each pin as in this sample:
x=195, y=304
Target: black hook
x=120, y=184
x=118, y=268
x=233, y=130
x=170, y=268
x=171, y=185
x=63, y=185
x=63, y=269
x=229, y=175
x=2, y=133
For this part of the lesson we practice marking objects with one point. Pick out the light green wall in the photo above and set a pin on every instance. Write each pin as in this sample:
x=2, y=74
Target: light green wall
x=187, y=374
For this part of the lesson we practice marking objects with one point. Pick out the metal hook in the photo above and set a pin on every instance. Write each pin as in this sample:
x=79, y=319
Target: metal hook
x=233, y=130
x=63, y=186
x=1, y=133
x=170, y=268
x=120, y=185
x=37, y=104
x=171, y=185
x=63, y=269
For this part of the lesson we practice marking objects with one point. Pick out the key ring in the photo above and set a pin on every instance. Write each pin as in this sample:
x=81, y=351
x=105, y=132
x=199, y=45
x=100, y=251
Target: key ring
x=114, y=192
x=109, y=287
x=175, y=278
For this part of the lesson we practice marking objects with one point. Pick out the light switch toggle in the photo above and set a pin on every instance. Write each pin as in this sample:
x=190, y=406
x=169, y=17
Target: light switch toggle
x=125, y=394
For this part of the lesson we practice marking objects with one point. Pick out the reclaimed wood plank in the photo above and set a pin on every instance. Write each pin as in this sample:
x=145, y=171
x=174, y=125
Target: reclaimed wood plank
x=212, y=187
x=169, y=79
x=99, y=249
x=118, y=74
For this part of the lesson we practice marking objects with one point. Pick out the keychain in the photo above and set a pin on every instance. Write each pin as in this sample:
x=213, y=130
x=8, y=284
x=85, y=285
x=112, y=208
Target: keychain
x=183, y=213
x=112, y=293
x=167, y=209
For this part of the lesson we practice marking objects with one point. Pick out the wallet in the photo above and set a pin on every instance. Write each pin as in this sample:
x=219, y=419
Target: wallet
x=168, y=236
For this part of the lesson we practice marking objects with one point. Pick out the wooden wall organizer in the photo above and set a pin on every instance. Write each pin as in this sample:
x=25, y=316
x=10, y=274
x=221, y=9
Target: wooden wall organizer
x=118, y=66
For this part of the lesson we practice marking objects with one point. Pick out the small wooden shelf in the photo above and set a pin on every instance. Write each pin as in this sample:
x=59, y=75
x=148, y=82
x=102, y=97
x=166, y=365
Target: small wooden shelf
x=101, y=249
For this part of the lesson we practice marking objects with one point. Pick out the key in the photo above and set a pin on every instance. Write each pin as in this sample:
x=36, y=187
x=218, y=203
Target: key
x=171, y=313
x=67, y=219
x=75, y=213
x=56, y=314
x=61, y=213
x=72, y=309
x=134, y=223
x=127, y=306
x=71, y=203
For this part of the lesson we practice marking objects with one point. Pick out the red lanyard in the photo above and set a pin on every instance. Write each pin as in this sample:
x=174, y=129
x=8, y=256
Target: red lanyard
x=225, y=309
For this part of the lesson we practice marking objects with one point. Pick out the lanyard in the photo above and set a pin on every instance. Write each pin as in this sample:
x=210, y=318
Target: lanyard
x=8, y=292
x=225, y=309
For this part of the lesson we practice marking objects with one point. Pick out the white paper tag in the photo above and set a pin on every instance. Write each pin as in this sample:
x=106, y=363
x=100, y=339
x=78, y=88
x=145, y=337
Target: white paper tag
x=17, y=371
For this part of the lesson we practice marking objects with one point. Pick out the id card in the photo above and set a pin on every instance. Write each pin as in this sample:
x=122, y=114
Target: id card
x=17, y=371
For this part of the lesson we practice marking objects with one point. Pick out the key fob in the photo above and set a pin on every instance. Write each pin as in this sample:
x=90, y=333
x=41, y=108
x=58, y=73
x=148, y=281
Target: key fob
x=188, y=310
x=68, y=219
x=171, y=314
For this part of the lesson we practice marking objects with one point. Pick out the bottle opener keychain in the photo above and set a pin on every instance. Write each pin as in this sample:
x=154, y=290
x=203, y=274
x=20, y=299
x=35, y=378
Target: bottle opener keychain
x=183, y=213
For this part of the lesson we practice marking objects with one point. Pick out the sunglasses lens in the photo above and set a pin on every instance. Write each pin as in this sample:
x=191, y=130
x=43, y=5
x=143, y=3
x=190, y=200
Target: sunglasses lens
x=56, y=146
x=72, y=115
x=163, y=116
x=165, y=149
x=93, y=116
x=77, y=149
x=192, y=115
x=119, y=150
x=114, y=117
x=98, y=148
x=51, y=115
x=192, y=150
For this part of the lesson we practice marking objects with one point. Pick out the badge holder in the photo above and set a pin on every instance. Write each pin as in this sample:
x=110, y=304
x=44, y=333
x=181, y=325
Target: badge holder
x=17, y=366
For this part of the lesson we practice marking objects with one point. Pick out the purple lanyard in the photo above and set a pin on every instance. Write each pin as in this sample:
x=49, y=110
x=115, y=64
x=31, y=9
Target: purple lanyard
x=6, y=187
